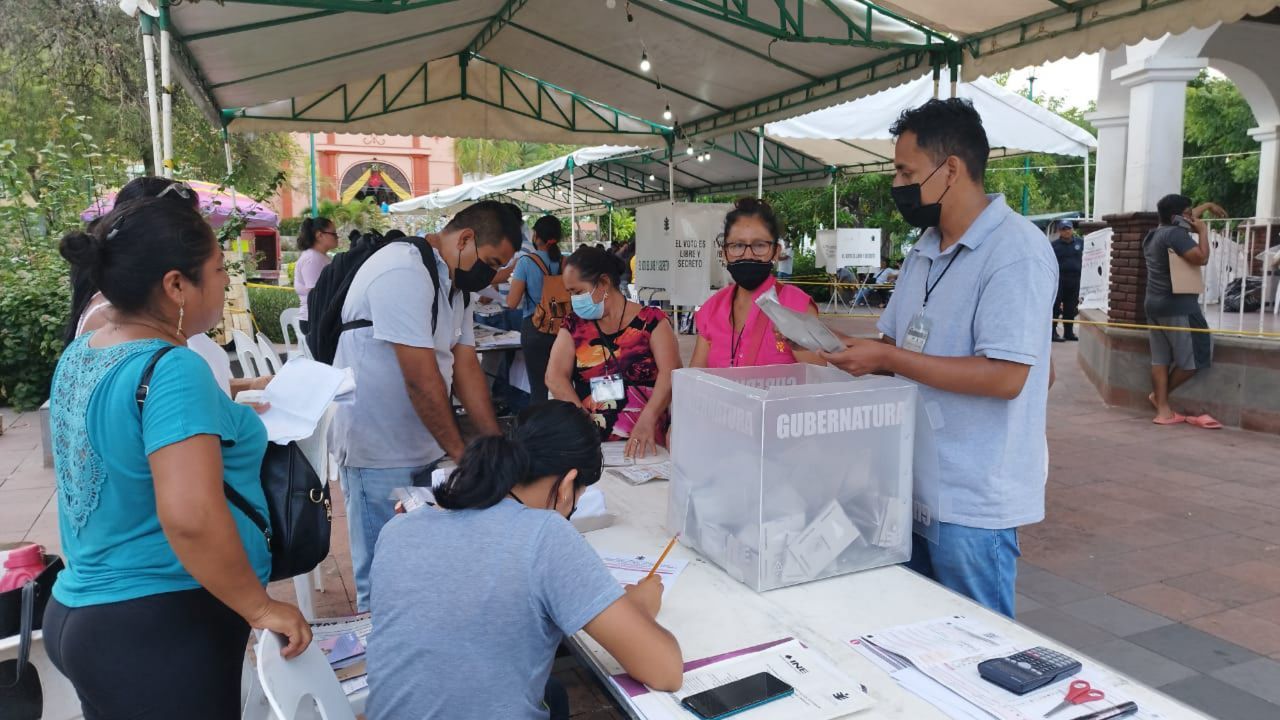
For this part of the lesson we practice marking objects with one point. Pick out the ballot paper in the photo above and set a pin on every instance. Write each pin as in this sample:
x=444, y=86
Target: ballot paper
x=938, y=661
x=299, y=395
x=615, y=455
x=822, y=692
x=803, y=329
x=641, y=474
x=629, y=570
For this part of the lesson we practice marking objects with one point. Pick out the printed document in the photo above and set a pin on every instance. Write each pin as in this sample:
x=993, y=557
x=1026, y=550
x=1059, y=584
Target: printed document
x=822, y=692
x=299, y=395
x=629, y=570
x=938, y=660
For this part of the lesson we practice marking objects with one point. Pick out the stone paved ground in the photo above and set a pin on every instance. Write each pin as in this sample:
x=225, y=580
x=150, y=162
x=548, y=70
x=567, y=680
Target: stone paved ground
x=1160, y=553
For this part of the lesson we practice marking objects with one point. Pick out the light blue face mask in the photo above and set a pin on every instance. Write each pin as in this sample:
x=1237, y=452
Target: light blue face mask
x=586, y=308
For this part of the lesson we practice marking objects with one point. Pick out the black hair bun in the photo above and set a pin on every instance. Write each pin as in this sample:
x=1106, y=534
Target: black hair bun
x=80, y=248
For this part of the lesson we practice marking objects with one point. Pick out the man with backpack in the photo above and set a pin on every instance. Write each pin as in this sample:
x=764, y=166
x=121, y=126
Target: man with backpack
x=405, y=329
x=538, y=291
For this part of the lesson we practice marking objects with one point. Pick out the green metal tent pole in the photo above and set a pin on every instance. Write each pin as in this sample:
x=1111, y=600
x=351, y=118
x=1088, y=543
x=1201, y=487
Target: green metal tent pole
x=314, y=209
x=1026, y=163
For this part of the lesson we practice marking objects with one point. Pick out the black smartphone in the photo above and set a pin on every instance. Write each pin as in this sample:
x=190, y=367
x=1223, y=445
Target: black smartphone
x=737, y=696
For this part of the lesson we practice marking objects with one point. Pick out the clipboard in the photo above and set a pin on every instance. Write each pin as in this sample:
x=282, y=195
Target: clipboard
x=1184, y=277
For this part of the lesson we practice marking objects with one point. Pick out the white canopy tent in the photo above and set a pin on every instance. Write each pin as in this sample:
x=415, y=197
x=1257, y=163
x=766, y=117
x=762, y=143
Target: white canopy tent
x=643, y=72
x=855, y=135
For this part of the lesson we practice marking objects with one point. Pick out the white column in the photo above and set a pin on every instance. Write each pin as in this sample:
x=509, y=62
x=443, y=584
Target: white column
x=1268, y=171
x=1108, y=187
x=1157, y=105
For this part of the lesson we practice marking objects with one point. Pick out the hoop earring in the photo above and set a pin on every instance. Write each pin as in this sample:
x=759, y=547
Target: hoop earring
x=182, y=310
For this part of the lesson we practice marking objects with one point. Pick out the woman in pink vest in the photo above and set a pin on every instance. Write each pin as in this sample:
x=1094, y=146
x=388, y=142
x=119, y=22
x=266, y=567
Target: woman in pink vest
x=732, y=332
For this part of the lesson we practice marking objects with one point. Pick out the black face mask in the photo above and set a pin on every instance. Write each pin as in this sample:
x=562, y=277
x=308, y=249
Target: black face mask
x=475, y=278
x=907, y=198
x=750, y=274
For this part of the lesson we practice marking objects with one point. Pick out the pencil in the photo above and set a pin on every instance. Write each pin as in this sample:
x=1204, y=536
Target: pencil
x=662, y=557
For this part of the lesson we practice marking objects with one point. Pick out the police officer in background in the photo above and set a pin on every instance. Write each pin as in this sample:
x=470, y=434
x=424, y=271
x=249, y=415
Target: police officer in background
x=1069, y=249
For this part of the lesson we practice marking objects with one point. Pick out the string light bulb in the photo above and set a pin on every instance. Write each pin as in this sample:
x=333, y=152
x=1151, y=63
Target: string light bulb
x=666, y=114
x=645, y=65
x=651, y=178
x=688, y=150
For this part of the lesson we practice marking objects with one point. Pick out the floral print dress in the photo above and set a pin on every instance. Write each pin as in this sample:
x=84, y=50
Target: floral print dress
x=628, y=354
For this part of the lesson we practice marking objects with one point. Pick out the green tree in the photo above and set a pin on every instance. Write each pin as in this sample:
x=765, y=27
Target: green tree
x=89, y=53
x=1217, y=123
x=358, y=214
x=491, y=157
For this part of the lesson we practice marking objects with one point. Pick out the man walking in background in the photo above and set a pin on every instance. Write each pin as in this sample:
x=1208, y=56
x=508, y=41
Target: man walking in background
x=1176, y=353
x=1069, y=249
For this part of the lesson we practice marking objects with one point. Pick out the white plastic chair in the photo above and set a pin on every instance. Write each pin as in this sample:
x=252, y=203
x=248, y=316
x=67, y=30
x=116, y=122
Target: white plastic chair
x=316, y=450
x=269, y=354
x=252, y=364
x=288, y=683
x=290, y=318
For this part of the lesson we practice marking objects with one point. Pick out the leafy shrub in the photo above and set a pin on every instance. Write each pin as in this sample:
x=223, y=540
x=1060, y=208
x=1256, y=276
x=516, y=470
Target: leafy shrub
x=805, y=269
x=35, y=299
x=290, y=225
x=266, y=302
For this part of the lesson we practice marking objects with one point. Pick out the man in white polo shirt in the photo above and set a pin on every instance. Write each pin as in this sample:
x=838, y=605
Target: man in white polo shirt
x=969, y=322
x=418, y=350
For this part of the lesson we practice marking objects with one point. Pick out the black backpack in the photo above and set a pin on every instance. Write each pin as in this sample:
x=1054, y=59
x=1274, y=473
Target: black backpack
x=330, y=292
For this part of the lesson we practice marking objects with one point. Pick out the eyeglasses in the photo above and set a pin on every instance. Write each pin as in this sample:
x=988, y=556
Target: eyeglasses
x=759, y=248
x=180, y=189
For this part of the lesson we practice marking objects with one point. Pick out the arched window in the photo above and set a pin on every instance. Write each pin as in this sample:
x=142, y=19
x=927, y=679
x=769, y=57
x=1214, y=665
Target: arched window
x=376, y=179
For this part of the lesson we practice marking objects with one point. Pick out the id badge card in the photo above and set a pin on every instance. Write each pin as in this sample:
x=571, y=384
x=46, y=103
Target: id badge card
x=917, y=333
x=607, y=388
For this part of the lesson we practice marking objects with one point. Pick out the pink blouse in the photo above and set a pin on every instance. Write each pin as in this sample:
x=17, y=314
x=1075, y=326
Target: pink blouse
x=713, y=324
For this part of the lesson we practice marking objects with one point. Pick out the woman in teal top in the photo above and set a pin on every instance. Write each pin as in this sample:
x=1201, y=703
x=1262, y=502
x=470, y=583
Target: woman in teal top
x=151, y=617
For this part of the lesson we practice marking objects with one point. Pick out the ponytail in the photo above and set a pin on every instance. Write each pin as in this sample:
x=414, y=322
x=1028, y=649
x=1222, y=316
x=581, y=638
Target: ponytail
x=307, y=231
x=551, y=438
x=81, y=250
x=490, y=468
x=548, y=230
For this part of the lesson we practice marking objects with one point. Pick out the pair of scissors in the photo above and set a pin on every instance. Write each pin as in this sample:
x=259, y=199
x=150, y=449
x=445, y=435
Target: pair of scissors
x=1079, y=692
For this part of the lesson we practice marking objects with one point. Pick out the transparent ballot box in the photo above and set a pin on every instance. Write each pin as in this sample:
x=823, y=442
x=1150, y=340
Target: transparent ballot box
x=789, y=473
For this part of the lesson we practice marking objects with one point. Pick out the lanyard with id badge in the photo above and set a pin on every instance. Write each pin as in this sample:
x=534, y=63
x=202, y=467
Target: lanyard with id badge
x=918, y=329
x=609, y=387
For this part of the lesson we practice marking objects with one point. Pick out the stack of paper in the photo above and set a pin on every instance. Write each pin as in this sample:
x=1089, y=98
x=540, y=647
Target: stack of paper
x=343, y=641
x=822, y=692
x=299, y=395
x=938, y=661
x=641, y=474
x=615, y=455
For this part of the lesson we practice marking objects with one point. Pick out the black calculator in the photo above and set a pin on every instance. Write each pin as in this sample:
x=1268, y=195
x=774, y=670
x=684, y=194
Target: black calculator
x=1028, y=670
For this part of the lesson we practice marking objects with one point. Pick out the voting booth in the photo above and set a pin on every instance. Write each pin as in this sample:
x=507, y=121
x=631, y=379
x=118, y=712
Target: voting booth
x=676, y=249
x=783, y=474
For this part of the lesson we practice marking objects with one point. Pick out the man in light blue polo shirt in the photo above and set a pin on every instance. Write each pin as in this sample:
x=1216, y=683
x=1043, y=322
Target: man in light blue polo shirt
x=969, y=322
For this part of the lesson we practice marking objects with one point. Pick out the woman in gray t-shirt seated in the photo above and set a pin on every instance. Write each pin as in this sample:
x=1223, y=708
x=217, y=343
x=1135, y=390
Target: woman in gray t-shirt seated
x=470, y=601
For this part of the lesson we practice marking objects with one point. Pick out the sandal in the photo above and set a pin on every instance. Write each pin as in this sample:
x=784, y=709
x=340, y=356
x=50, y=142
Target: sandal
x=1205, y=421
x=1175, y=420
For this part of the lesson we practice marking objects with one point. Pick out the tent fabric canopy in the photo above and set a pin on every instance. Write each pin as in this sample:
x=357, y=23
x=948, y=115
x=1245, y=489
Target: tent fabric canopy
x=623, y=176
x=569, y=71
x=217, y=204
x=857, y=133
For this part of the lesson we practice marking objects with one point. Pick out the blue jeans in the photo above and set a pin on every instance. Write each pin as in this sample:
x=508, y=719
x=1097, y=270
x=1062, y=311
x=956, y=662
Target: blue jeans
x=367, y=493
x=977, y=563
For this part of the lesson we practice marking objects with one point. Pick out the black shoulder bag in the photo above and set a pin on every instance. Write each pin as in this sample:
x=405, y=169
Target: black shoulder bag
x=297, y=502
